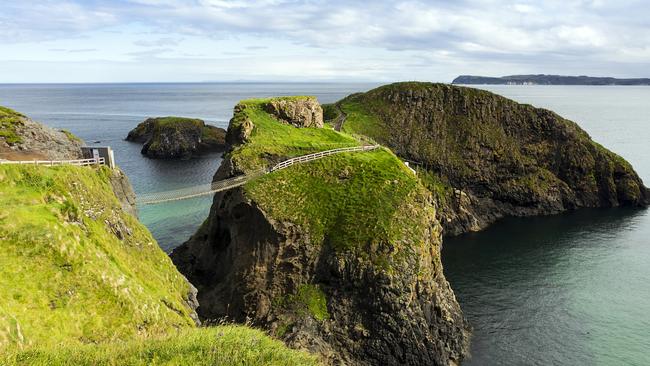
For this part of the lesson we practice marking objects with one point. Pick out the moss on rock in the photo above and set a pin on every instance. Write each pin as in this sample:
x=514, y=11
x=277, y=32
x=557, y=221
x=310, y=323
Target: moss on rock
x=9, y=119
x=177, y=137
x=344, y=257
x=504, y=158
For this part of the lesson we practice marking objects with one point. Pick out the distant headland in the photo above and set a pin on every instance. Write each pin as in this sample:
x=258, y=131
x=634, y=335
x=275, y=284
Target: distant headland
x=542, y=79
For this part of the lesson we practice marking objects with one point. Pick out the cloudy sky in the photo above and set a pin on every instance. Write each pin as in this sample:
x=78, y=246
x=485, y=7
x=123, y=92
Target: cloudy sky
x=308, y=40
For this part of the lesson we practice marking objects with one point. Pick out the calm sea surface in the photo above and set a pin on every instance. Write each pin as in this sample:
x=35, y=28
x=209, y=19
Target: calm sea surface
x=572, y=289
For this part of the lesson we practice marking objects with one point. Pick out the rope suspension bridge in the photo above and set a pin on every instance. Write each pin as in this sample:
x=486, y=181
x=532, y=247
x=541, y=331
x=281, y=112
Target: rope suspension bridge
x=226, y=184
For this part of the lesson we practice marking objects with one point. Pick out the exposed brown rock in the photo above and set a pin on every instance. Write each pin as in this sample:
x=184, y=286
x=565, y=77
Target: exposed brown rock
x=297, y=111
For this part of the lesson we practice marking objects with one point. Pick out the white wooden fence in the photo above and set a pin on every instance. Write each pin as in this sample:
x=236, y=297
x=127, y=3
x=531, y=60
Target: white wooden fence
x=222, y=185
x=305, y=158
x=78, y=162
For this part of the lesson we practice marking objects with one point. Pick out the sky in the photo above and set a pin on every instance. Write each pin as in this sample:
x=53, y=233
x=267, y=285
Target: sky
x=314, y=40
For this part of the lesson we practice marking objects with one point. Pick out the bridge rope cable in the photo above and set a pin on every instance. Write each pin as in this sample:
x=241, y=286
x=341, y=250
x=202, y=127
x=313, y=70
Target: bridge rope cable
x=240, y=180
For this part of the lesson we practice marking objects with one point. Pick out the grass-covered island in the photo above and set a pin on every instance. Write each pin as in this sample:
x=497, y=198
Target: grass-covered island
x=340, y=255
x=485, y=157
x=177, y=137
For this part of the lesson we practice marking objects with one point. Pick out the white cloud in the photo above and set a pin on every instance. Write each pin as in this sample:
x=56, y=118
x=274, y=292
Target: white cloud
x=526, y=35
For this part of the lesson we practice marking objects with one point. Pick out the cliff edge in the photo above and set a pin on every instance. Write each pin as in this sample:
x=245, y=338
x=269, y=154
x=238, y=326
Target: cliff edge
x=485, y=157
x=83, y=282
x=340, y=256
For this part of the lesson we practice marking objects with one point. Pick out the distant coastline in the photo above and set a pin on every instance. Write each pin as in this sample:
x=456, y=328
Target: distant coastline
x=542, y=79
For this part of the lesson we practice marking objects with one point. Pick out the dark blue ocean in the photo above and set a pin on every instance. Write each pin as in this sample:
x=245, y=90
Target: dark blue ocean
x=571, y=289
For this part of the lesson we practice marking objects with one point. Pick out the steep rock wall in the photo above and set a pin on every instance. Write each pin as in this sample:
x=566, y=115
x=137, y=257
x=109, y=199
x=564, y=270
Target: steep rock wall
x=486, y=157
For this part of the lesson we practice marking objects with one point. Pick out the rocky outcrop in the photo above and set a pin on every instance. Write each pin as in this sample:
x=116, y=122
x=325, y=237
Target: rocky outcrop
x=123, y=191
x=21, y=138
x=486, y=157
x=177, y=137
x=250, y=267
x=240, y=127
x=297, y=111
x=384, y=302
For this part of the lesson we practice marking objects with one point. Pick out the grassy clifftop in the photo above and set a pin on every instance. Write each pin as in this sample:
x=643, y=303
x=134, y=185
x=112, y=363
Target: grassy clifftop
x=339, y=255
x=486, y=156
x=75, y=267
x=351, y=200
x=84, y=283
x=270, y=140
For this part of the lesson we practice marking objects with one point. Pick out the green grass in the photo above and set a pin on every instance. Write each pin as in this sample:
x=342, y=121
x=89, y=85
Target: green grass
x=212, y=135
x=435, y=184
x=71, y=136
x=360, y=120
x=271, y=138
x=308, y=300
x=9, y=119
x=223, y=345
x=66, y=276
x=330, y=112
x=351, y=201
x=177, y=122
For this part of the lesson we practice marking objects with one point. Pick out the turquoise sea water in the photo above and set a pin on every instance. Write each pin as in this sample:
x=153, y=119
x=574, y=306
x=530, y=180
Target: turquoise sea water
x=571, y=289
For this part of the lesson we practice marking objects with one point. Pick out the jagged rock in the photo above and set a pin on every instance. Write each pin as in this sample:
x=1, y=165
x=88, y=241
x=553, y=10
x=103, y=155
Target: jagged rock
x=177, y=137
x=384, y=303
x=297, y=111
x=508, y=159
x=123, y=191
x=21, y=138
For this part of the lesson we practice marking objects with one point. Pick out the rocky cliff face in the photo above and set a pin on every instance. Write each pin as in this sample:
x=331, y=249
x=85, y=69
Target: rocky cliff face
x=24, y=139
x=297, y=111
x=339, y=256
x=177, y=137
x=486, y=157
x=123, y=191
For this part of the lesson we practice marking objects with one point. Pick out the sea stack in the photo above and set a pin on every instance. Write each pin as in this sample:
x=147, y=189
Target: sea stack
x=177, y=137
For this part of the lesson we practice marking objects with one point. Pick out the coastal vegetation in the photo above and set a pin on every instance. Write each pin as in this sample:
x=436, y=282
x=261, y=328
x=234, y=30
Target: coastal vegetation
x=542, y=79
x=84, y=283
x=271, y=140
x=223, y=345
x=485, y=157
x=9, y=119
x=338, y=242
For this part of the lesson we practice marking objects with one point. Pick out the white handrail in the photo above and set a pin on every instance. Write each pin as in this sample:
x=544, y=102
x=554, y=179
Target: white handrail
x=77, y=162
x=318, y=155
x=222, y=185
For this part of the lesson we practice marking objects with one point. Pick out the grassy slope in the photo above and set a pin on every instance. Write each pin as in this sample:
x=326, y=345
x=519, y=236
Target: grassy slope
x=272, y=138
x=72, y=292
x=8, y=121
x=446, y=149
x=351, y=201
x=221, y=345
x=65, y=276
